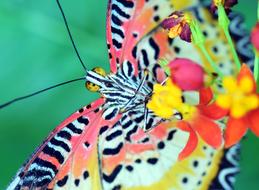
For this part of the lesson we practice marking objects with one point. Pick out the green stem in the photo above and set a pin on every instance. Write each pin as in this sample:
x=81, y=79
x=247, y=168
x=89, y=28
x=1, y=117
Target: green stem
x=163, y=63
x=256, y=69
x=199, y=39
x=211, y=62
x=258, y=10
x=224, y=24
x=233, y=50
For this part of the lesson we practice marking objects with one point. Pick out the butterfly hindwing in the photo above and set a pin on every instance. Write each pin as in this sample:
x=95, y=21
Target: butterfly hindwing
x=133, y=159
x=67, y=158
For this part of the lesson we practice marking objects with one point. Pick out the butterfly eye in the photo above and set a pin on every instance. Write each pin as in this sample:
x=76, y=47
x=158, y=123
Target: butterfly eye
x=108, y=84
x=99, y=71
x=91, y=86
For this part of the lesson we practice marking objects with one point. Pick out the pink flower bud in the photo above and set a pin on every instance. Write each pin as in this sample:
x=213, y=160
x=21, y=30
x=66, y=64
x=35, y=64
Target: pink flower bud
x=255, y=36
x=187, y=74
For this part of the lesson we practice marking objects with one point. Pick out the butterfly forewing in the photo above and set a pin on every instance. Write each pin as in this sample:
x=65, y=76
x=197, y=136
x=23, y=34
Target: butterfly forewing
x=128, y=21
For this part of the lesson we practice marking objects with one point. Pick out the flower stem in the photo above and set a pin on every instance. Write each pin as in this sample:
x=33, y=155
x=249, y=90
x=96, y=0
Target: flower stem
x=233, y=50
x=256, y=60
x=199, y=39
x=256, y=68
x=163, y=63
x=224, y=24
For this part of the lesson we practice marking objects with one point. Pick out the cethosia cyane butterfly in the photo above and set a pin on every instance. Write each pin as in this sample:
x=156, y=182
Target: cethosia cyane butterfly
x=116, y=142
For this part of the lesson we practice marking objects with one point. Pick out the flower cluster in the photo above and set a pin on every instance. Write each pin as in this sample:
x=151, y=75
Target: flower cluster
x=178, y=25
x=236, y=104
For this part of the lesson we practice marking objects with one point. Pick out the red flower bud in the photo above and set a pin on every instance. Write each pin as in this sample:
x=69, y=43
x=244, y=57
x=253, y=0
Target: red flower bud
x=187, y=74
x=255, y=36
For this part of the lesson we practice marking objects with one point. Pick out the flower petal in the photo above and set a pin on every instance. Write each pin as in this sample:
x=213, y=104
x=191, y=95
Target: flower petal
x=236, y=129
x=192, y=141
x=206, y=96
x=246, y=72
x=212, y=111
x=255, y=36
x=174, y=19
x=253, y=118
x=208, y=130
x=186, y=33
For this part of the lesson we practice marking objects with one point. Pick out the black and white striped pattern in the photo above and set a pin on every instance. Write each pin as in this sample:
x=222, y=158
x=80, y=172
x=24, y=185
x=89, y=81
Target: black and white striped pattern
x=121, y=11
x=126, y=93
x=41, y=172
x=228, y=169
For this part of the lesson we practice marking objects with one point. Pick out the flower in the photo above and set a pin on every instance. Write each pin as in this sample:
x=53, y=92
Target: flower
x=202, y=124
x=242, y=104
x=167, y=102
x=203, y=127
x=178, y=25
x=228, y=4
x=239, y=97
x=182, y=74
x=255, y=36
x=167, y=97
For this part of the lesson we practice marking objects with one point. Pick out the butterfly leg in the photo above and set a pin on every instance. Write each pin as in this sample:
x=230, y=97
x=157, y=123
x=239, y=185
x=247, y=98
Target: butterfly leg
x=142, y=83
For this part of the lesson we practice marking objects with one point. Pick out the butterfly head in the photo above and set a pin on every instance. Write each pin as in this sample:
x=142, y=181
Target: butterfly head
x=92, y=86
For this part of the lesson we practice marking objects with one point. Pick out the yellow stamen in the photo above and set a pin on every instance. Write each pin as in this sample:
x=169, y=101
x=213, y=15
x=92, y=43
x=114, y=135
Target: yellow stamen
x=230, y=84
x=224, y=101
x=167, y=99
x=238, y=97
x=246, y=85
x=219, y=2
x=175, y=31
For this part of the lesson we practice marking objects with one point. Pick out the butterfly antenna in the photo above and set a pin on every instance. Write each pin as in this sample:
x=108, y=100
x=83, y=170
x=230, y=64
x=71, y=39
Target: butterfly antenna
x=38, y=92
x=69, y=33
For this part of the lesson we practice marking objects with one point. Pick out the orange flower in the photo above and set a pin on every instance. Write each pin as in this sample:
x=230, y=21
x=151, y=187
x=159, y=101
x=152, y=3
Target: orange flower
x=242, y=103
x=202, y=124
x=167, y=102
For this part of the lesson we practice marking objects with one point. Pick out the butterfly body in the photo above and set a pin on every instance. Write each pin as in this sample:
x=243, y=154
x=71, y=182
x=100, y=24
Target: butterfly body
x=124, y=92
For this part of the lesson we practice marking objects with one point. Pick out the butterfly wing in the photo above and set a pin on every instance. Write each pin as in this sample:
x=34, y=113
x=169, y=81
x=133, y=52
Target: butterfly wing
x=134, y=159
x=127, y=22
x=206, y=168
x=67, y=158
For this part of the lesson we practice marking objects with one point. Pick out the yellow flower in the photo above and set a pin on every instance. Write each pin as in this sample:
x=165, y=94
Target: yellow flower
x=165, y=99
x=239, y=97
x=188, y=111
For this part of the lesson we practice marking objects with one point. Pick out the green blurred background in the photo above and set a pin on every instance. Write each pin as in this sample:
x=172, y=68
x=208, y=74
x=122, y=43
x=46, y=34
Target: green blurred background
x=35, y=52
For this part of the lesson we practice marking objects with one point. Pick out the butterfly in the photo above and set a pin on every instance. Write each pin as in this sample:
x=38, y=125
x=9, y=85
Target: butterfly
x=116, y=142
